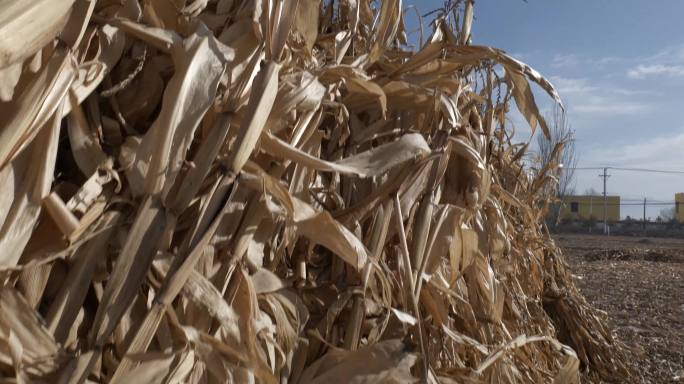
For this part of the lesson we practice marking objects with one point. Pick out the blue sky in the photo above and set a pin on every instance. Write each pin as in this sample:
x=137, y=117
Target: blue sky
x=619, y=68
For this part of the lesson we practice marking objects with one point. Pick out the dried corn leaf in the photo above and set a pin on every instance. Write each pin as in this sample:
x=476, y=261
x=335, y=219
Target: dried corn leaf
x=374, y=162
x=24, y=340
x=27, y=26
x=385, y=362
x=199, y=64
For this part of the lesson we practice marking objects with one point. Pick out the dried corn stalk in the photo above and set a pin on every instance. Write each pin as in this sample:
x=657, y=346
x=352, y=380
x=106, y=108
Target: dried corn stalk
x=273, y=191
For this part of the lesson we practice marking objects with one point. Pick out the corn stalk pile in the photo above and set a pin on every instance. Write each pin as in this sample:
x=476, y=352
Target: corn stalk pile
x=274, y=191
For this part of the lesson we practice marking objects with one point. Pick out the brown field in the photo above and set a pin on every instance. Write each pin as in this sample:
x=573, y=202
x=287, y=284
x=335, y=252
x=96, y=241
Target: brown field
x=639, y=283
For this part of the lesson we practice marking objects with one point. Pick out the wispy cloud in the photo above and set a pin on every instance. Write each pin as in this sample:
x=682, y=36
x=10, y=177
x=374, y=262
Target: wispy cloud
x=603, y=106
x=567, y=61
x=566, y=85
x=644, y=71
x=666, y=62
x=585, y=86
x=634, y=92
x=560, y=60
x=656, y=152
x=591, y=97
x=673, y=53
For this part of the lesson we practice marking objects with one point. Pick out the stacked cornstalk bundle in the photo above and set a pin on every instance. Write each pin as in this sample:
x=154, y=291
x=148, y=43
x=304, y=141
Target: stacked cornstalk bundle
x=274, y=191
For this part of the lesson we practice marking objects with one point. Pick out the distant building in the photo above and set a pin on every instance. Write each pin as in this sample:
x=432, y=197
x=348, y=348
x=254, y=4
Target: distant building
x=679, y=207
x=587, y=207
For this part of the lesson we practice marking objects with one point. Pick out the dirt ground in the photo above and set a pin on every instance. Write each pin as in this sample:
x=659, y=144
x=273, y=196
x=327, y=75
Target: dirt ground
x=639, y=282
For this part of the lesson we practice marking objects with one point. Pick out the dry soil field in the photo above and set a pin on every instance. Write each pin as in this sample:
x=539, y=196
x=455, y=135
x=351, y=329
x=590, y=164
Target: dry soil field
x=639, y=282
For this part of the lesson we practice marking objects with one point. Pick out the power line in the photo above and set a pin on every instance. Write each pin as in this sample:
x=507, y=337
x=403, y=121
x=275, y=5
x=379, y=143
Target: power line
x=649, y=170
x=639, y=204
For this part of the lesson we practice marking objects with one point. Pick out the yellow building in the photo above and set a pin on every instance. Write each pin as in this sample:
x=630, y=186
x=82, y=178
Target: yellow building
x=679, y=207
x=586, y=207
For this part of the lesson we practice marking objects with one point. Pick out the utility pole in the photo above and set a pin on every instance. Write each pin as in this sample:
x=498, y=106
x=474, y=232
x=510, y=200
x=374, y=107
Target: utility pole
x=644, y=214
x=605, y=177
x=591, y=211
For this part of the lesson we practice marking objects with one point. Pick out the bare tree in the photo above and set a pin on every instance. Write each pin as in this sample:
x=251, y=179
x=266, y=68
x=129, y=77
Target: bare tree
x=561, y=135
x=667, y=214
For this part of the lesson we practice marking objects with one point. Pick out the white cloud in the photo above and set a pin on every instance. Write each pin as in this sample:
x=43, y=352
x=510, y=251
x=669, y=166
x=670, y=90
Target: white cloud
x=606, y=106
x=643, y=71
x=609, y=60
x=587, y=98
x=560, y=60
x=583, y=86
x=633, y=92
x=665, y=62
x=669, y=54
x=662, y=152
x=566, y=85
